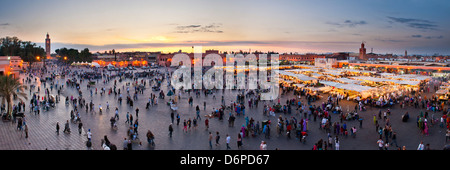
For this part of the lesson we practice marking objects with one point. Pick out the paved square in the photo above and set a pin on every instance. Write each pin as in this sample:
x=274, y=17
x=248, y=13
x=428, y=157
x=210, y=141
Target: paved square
x=42, y=131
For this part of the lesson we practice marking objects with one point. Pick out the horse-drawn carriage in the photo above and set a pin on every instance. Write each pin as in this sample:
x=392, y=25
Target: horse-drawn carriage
x=18, y=114
x=278, y=108
x=52, y=101
x=156, y=88
x=90, y=84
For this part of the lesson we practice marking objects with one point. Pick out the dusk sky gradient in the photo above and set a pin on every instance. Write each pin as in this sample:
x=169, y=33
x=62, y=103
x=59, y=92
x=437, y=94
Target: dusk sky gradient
x=387, y=26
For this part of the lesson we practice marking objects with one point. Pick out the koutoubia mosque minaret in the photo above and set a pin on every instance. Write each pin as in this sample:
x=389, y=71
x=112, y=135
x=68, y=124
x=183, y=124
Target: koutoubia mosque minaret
x=47, y=46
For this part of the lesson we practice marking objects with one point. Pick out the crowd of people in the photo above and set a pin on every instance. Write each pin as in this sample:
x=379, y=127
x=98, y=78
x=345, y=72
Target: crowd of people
x=293, y=116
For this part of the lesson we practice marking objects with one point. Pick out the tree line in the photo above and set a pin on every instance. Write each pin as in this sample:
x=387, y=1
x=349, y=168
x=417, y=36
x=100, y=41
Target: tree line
x=72, y=55
x=29, y=52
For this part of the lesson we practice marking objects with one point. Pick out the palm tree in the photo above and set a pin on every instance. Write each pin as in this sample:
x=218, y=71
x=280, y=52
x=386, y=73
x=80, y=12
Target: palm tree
x=10, y=87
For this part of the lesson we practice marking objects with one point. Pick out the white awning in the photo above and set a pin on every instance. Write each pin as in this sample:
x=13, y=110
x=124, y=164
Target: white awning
x=441, y=91
x=352, y=87
x=407, y=82
x=95, y=64
x=298, y=76
x=403, y=82
x=299, y=85
x=349, y=81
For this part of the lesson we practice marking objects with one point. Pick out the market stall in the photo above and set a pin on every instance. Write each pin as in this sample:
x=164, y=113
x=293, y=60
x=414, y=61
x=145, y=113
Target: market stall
x=351, y=90
x=443, y=94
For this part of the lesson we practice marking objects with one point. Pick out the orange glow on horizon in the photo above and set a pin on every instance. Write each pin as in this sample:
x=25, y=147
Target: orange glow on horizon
x=222, y=49
x=122, y=63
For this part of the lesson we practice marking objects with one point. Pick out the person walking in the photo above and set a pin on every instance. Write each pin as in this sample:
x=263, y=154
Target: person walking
x=336, y=143
x=189, y=123
x=217, y=138
x=170, y=130
x=66, y=127
x=185, y=126
x=150, y=138
x=125, y=144
x=394, y=139
x=263, y=145
x=360, y=122
x=129, y=145
x=228, y=139
x=116, y=116
x=26, y=131
x=380, y=144
x=210, y=140
x=421, y=146
x=197, y=110
x=131, y=119
x=89, y=135
x=239, y=141
x=80, y=126
x=57, y=128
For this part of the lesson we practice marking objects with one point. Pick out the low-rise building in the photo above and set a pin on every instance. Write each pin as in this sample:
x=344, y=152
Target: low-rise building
x=11, y=65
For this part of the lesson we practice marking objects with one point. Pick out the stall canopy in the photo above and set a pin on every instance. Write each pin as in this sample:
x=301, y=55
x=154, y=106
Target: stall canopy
x=408, y=82
x=298, y=76
x=322, y=89
x=405, y=76
x=288, y=81
x=441, y=91
x=348, y=81
x=387, y=74
x=94, y=64
x=332, y=72
x=352, y=87
x=299, y=85
x=374, y=79
x=358, y=71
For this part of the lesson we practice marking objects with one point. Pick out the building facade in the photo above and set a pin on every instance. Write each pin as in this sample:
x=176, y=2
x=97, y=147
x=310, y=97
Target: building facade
x=329, y=62
x=306, y=58
x=11, y=65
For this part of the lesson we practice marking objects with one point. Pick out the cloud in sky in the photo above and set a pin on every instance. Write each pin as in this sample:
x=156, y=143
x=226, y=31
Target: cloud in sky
x=420, y=24
x=427, y=37
x=188, y=27
x=347, y=23
x=434, y=37
x=194, y=28
x=391, y=40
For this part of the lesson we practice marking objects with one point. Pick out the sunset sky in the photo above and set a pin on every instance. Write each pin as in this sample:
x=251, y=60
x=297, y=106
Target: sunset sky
x=387, y=26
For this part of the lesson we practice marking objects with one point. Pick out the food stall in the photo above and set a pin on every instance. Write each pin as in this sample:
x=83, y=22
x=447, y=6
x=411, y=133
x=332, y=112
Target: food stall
x=352, y=91
x=297, y=78
x=442, y=94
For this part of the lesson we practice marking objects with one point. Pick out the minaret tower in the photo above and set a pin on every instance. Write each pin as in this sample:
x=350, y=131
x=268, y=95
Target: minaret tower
x=362, y=51
x=47, y=46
